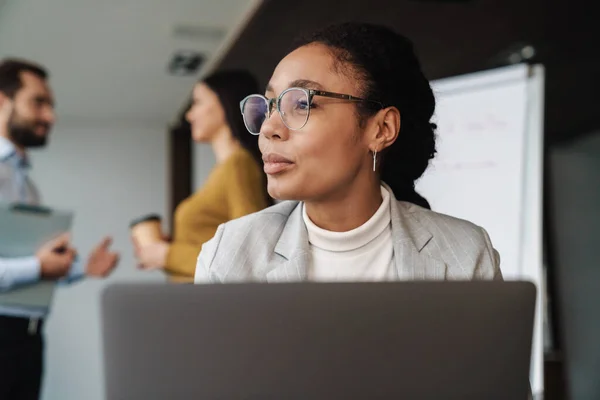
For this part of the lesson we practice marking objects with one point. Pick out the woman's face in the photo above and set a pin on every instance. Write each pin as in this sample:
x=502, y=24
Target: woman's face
x=325, y=158
x=206, y=115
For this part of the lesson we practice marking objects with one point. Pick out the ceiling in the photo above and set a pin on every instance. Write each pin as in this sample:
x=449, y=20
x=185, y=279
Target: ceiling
x=108, y=59
x=456, y=37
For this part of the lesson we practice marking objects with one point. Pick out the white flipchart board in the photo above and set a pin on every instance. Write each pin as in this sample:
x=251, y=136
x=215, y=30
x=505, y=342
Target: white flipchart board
x=489, y=168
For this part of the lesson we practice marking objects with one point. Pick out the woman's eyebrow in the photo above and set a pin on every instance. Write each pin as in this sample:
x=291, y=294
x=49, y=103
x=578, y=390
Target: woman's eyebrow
x=299, y=83
x=306, y=84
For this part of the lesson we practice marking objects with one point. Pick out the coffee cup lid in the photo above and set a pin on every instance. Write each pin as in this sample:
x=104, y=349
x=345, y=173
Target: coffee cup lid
x=145, y=218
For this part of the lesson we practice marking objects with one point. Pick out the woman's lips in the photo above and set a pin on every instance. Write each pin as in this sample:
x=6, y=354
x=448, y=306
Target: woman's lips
x=276, y=163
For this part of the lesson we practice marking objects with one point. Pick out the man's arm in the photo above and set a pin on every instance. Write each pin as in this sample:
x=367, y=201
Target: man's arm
x=76, y=272
x=20, y=271
x=51, y=262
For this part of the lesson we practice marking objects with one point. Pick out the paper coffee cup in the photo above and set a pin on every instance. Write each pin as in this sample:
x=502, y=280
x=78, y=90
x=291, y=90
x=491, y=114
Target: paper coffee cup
x=147, y=229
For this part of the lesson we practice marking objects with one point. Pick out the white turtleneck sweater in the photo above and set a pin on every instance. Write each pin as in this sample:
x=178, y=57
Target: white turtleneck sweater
x=362, y=254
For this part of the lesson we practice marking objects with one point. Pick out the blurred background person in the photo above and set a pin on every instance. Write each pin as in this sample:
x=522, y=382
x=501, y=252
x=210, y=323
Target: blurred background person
x=235, y=187
x=26, y=119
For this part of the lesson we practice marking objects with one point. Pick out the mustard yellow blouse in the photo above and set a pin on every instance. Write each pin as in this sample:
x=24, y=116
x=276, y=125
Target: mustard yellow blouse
x=233, y=189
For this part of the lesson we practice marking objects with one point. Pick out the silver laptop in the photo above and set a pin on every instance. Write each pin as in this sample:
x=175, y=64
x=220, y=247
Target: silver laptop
x=375, y=341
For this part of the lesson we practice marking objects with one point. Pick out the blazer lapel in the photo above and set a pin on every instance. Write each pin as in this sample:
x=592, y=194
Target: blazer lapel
x=410, y=238
x=294, y=249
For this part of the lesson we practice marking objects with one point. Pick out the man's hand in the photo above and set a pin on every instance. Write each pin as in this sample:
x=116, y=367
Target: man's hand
x=102, y=261
x=56, y=258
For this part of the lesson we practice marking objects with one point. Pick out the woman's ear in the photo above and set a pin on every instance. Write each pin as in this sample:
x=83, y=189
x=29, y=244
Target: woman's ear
x=386, y=130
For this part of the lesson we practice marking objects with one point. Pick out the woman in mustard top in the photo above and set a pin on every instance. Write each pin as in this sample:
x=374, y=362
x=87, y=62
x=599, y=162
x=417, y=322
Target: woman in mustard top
x=235, y=187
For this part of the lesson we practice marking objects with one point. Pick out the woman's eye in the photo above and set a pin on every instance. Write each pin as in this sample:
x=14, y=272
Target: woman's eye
x=304, y=105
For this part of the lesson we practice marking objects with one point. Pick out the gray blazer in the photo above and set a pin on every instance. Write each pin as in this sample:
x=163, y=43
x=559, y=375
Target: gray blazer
x=272, y=246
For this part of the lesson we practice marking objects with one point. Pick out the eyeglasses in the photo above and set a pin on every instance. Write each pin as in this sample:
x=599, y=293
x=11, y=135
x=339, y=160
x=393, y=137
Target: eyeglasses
x=293, y=106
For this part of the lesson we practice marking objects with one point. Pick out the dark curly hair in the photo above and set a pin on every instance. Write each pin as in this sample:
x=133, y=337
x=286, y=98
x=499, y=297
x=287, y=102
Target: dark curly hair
x=388, y=70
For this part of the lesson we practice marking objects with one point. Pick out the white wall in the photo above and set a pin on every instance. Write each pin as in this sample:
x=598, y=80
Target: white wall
x=108, y=175
x=203, y=160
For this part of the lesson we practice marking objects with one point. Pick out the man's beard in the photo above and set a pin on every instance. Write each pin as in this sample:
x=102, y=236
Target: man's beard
x=23, y=133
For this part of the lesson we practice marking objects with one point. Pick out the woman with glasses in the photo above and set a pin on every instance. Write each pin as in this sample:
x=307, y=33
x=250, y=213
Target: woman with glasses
x=344, y=130
x=235, y=187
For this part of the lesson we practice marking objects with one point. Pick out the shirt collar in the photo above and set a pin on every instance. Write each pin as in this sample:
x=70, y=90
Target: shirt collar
x=355, y=238
x=9, y=151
